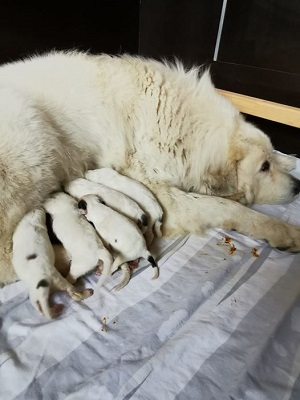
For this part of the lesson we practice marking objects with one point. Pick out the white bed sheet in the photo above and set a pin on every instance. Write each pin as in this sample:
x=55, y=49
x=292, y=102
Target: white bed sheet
x=215, y=325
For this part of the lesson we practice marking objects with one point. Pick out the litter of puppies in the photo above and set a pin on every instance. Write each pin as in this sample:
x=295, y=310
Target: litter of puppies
x=102, y=224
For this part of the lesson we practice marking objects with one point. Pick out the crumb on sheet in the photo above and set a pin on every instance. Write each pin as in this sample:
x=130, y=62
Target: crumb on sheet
x=104, y=324
x=232, y=248
x=255, y=253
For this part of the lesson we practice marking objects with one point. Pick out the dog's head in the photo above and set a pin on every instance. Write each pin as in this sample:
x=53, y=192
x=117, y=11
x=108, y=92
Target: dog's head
x=261, y=174
x=237, y=160
x=87, y=202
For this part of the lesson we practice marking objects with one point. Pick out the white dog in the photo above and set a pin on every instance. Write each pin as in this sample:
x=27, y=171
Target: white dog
x=112, y=198
x=64, y=113
x=33, y=260
x=79, y=238
x=134, y=190
x=116, y=231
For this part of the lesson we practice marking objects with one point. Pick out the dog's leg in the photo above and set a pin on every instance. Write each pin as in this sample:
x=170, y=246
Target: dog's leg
x=106, y=258
x=149, y=236
x=62, y=259
x=126, y=275
x=78, y=268
x=60, y=283
x=194, y=213
x=42, y=279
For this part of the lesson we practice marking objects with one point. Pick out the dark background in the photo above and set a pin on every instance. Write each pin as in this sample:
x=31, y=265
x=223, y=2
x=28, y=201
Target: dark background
x=98, y=26
x=259, y=52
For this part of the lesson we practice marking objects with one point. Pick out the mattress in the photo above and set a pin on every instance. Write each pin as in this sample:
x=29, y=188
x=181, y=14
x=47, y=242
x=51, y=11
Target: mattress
x=221, y=322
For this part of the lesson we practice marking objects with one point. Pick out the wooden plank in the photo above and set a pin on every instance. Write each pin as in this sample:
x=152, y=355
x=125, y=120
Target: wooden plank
x=264, y=109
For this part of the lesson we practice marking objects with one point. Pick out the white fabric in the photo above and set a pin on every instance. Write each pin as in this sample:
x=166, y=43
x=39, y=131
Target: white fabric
x=214, y=325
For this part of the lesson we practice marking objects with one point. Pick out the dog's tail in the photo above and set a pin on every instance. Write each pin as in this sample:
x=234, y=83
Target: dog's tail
x=154, y=265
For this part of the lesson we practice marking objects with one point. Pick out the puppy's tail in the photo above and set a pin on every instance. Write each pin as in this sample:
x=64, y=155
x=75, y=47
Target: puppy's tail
x=154, y=266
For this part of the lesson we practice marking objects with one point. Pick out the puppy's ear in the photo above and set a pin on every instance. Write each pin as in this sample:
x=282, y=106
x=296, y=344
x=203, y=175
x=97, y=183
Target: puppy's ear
x=82, y=206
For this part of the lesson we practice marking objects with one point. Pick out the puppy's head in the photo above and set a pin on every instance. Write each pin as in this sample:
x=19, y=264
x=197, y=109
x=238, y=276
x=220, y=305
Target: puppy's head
x=88, y=202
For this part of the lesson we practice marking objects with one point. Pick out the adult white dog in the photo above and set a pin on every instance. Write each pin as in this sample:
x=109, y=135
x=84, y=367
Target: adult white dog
x=62, y=114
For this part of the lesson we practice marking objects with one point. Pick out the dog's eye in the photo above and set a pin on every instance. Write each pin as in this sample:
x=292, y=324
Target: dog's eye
x=265, y=167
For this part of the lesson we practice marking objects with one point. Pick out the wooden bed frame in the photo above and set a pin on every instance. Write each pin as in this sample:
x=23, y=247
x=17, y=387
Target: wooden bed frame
x=264, y=109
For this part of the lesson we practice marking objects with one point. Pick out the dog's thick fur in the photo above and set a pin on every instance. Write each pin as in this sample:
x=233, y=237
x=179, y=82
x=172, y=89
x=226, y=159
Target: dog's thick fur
x=62, y=114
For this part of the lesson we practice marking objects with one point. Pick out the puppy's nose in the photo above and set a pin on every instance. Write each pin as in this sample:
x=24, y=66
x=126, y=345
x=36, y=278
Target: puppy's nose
x=296, y=188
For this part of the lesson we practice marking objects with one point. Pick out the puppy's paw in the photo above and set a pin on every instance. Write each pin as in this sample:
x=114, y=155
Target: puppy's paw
x=50, y=312
x=81, y=295
x=39, y=297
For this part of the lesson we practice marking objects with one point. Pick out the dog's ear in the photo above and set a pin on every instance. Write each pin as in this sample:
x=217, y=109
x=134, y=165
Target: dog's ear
x=82, y=206
x=223, y=181
x=284, y=162
x=230, y=177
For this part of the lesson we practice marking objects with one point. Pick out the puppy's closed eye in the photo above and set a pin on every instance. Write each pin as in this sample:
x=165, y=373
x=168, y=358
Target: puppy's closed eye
x=265, y=167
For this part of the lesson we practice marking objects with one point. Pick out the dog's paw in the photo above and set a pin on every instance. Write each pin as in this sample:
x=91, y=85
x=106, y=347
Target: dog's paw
x=80, y=295
x=39, y=297
x=40, y=293
x=50, y=311
x=285, y=238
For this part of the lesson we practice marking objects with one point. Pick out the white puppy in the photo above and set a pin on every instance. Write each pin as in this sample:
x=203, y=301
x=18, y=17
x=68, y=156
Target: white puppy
x=116, y=230
x=79, y=238
x=136, y=191
x=33, y=261
x=112, y=198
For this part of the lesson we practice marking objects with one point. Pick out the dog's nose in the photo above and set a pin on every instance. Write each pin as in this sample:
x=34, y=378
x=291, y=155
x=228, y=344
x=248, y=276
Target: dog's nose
x=296, y=188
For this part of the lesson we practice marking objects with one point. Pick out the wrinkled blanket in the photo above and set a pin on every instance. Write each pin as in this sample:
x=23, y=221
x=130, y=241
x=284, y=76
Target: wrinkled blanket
x=221, y=322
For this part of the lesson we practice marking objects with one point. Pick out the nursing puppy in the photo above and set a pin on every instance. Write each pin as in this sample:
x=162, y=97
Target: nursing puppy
x=33, y=261
x=117, y=231
x=79, y=238
x=112, y=198
x=136, y=191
